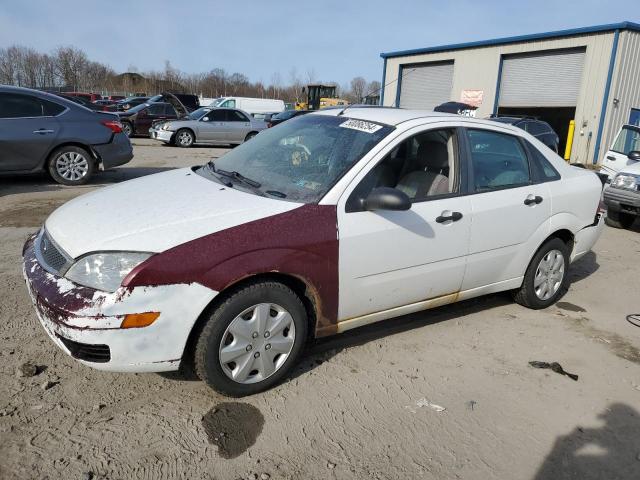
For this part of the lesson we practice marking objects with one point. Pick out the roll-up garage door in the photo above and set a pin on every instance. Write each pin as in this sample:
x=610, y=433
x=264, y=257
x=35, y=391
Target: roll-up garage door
x=548, y=79
x=424, y=86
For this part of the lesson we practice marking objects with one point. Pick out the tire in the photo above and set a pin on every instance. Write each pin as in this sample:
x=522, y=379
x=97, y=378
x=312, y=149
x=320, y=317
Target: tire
x=243, y=373
x=532, y=293
x=71, y=165
x=250, y=135
x=619, y=220
x=184, y=138
x=128, y=130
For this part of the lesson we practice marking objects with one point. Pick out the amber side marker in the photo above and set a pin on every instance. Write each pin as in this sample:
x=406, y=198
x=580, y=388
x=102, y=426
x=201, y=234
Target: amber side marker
x=139, y=320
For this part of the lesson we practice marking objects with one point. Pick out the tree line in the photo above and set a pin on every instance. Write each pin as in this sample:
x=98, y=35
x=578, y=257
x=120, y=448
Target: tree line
x=69, y=68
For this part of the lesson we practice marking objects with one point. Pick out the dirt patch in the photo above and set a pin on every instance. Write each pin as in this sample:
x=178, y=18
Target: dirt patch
x=233, y=427
x=617, y=344
x=570, y=307
x=29, y=214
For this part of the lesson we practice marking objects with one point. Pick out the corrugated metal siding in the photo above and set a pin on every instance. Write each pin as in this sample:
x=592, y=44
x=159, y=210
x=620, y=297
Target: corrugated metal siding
x=477, y=69
x=426, y=86
x=625, y=87
x=546, y=79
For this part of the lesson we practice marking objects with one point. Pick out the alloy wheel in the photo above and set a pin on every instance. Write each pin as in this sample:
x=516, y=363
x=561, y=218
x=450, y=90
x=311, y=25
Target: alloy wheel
x=185, y=139
x=72, y=166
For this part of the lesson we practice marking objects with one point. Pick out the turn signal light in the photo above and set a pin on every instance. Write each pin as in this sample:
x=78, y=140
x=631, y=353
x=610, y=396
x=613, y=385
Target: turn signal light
x=139, y=320
x=114, y=126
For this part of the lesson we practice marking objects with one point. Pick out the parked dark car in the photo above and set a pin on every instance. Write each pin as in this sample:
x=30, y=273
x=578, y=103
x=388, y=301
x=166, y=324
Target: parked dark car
x=538, y=128
x=190, y=102
x=91, y=97
x=130, y=102
x=84, y=102
x=283, y=116
x=44, y=132
x=138, y=120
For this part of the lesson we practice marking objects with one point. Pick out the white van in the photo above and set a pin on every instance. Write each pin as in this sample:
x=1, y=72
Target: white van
x=251, y=105
x=624, y=152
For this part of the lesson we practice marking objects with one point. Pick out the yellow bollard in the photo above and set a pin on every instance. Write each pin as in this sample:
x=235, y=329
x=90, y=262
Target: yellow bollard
x=567, y=150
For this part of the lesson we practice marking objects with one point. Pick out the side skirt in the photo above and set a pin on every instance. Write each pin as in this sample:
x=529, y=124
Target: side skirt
x=428, y=304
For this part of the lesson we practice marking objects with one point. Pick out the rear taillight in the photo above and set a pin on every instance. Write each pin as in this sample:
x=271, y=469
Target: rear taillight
x=269, y=125
x=113, y=125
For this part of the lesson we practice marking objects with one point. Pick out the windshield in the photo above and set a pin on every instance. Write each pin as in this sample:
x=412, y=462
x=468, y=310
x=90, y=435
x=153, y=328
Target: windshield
x=217, y=102
x=628, y=140
x=301, y=159
x=199, y=113
x=284, y=115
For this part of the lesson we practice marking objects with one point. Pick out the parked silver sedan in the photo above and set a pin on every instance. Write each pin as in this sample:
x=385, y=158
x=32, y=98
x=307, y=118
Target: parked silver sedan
x=209, y=125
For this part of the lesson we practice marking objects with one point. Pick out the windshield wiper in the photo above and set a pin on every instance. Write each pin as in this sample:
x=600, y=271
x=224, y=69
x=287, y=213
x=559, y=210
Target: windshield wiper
x=238, y=176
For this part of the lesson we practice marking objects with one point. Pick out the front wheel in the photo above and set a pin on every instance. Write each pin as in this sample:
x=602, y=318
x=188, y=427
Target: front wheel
x=184, y=138
x=546, y=279
x=251, y=340
x=71, y=165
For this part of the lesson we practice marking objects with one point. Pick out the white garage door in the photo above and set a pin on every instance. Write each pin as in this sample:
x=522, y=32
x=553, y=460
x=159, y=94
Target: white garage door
x=426, y=86
x=550, y=79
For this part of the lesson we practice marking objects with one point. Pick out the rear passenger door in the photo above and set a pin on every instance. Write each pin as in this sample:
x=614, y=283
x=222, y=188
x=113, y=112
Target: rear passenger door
x=28, y=129
x=238, y=126
x=510, y=208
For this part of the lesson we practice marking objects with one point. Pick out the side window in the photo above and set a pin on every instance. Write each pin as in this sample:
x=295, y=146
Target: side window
x=156, y=109
x=536, y=128
x=546, y=172
x=19, y=106
x=217, y=116
x=169, y=110
x=236, y=116
x=229, y=104
x=51, y=109
x=423, y=167
x=499, y=160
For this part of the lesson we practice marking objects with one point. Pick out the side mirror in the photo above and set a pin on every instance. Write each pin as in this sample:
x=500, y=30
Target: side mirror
x=634, y=155
x=205, y=119
x=386, y=198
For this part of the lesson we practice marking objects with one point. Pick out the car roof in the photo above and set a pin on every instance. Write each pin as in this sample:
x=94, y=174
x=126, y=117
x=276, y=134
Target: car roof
x=395, y=116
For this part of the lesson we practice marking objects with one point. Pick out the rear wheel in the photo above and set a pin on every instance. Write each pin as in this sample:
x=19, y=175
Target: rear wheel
x=249, y=136
x=127, y=128
x=71, y=165
x=184, y=138
x=619, y=219
x=546, y=279
x=251, y=340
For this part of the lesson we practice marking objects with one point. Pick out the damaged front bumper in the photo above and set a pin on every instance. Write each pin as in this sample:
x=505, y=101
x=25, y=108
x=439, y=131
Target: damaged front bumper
x=86, y=323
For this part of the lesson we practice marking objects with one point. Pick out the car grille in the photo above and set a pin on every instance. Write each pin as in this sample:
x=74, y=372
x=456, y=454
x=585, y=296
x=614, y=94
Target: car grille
x=87, y=352
x=50, y=256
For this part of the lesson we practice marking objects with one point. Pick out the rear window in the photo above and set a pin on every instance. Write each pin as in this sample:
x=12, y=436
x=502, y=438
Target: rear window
x=543, y=166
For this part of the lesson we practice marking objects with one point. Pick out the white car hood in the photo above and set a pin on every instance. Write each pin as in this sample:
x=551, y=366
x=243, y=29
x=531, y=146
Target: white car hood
x=155, y=213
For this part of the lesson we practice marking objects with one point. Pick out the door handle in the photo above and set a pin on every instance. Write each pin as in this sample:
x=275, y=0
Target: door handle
x=530, y=200
x=43, y=131
x=448, y=216
x=609, y=157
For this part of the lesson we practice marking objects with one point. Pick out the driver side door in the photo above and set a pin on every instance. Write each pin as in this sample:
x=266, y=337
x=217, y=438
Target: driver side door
x=212, y=127
x=397, y=262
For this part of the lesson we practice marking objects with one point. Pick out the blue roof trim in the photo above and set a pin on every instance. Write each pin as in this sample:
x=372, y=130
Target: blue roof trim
x=611, y=27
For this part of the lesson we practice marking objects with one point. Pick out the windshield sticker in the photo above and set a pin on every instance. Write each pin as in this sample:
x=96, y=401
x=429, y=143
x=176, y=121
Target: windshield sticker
x=361, y=125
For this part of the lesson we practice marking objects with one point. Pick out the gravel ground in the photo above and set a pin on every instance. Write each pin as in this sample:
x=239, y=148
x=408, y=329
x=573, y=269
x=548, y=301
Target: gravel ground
x=444, y=394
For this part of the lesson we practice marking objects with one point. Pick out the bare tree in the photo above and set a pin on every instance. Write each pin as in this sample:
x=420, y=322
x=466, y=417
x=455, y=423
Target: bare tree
x=358, y=86
x=70, y=65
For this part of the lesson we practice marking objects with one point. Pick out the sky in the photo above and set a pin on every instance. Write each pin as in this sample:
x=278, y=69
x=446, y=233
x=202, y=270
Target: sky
x=330, y=40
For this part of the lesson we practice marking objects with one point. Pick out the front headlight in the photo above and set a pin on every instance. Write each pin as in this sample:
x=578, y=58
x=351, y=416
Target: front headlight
x=624, y=180
x=105, y=271
x=166, y=126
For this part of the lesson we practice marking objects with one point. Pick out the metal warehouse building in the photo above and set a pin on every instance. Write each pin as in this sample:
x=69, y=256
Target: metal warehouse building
x=590, y=75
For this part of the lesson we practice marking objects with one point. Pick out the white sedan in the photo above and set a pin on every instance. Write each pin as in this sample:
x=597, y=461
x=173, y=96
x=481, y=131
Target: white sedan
x=325, y=223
